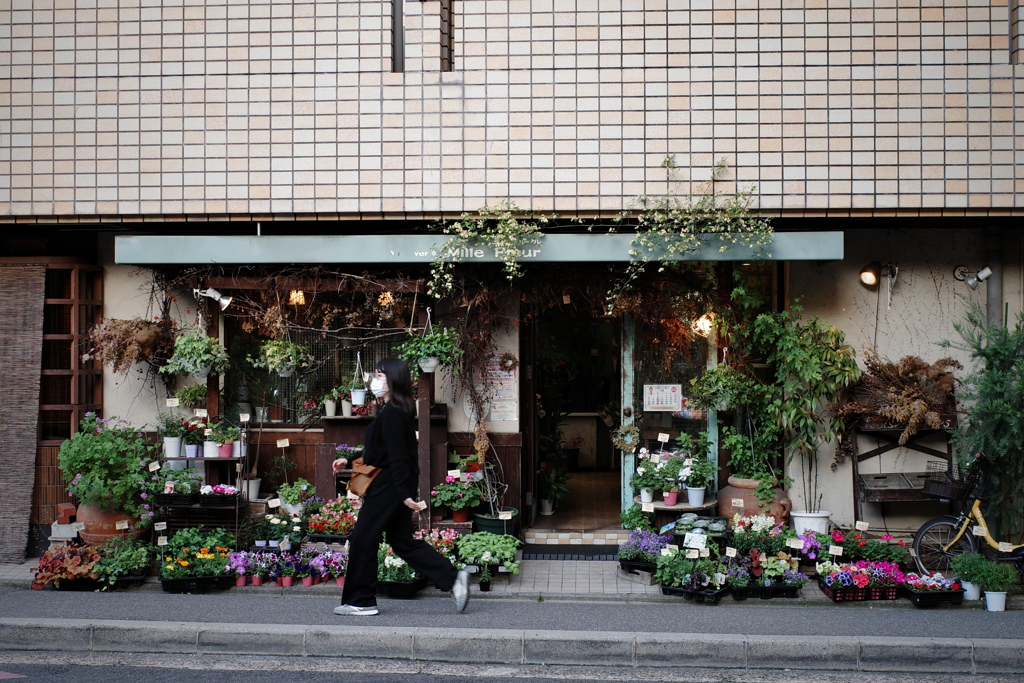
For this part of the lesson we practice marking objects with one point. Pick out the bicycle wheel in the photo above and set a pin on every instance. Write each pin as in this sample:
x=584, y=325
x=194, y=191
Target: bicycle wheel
x=932, y=538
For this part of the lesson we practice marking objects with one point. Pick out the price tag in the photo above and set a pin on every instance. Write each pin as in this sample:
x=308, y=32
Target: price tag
x=121, y=524
x=1005, y=547
x=159, y=526
x=243, y=417
x=274, y=503
x=662, y=437
x=201, y=412
x=688, y=462
x=667, y=551
x=737, y=503
x=705, y=552
x=836, y=550
x=730, y=552
x=720, y=578
x=566, y=300
x=646, y=507
x=794, y=543
x=154, y=466
x=161, y=540
x=454, y=473
x=862, y=526
x=286, y=544
x=505, y=514
x=913, y=553
x=168, y=487
x=207, y=431
x=283, y=443
x=422, y=505
x=172, y=403
x=691, y=540
x=692, y=554
x=238, y=467
x=979, y=531
x=672, y=546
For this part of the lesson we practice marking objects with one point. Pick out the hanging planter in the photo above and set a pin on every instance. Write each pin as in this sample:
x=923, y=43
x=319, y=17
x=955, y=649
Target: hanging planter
x=282, y=356
x=432, y=349
x=198, y=355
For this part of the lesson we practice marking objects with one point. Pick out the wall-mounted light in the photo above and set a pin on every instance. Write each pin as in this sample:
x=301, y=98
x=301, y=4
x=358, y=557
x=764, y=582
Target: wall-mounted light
x=982, y=275
x=869, y=274
x=703, y=324
x=297, y=297
x=222, y=301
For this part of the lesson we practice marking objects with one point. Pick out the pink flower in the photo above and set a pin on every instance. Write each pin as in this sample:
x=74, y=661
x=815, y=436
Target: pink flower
x=449, y=479
x=433, y=493
x=886, y=537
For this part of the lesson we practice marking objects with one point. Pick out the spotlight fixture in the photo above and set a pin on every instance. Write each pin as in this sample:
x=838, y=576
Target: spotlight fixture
x=982, y=275
x=869, y=274
x=222, y=301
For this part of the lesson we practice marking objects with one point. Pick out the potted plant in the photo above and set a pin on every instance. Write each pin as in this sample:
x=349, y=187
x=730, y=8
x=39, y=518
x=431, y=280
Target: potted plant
x=458, y=496
x=488, y=551
x=969, y=568
x=432, y=348
x=105, y=465
x=641, y=551
x=193, y=560
x=332, y=397
x=194, y=433
x=292, y=496
x=191, y=396
x=72, y=563
x=995, y=579
x=333, y=522
x=178, y=487
x=225, y=435
x=671, y=472
x=552, y=485
x=124, y=561
x=172, y=429
x=395, y=577
x=198, y=355
x=282, y=356
x=336, y=564
x=648, y=480
x=697, y=474
x=240, y=566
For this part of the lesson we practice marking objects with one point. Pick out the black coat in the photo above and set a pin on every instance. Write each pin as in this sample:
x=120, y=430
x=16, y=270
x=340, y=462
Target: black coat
x=391, y=445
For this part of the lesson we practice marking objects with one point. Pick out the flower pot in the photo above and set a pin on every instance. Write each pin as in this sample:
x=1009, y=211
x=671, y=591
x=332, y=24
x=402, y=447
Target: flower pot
x=286, y=372
x=495, y=525
x=485, y=586
x=358, y=397
x=253, y=488
x=307, y=581
x=346, y=408
x=460, y=515
x=203, y=372
x=429, y=364
x=240, y=581
x=226, y=449
x=995, y=601
x=694, y=496
x=646, y=495
x=547, y=507
x=261, y=544
x=330, y=408
x=240, y=448
x=211, y=449
x=670, y=497
x=745, y=490
x=172, y=448
x=815, y=521
x=972, y=591
x=274, y=544
x=192, y=450
x=290, y=508
x=257, y=580
x=276, y=582
x=276, y=413
x=101, y=524
x=339, y=580
x=286, y=581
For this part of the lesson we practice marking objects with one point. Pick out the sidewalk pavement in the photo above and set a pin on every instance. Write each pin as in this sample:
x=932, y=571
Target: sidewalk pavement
x=588, y=588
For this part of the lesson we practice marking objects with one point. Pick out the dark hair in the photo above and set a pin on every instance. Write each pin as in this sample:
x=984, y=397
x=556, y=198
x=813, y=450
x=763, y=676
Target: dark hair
x=399, y=384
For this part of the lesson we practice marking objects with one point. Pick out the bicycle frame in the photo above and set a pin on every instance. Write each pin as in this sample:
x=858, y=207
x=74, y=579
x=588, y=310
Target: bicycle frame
x=976, y=515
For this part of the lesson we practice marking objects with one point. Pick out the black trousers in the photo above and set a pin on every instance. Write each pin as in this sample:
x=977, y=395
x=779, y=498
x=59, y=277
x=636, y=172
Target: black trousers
x=384, y=512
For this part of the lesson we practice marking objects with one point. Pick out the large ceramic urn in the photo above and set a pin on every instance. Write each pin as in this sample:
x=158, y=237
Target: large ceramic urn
x=740, y=497
x=101, y=524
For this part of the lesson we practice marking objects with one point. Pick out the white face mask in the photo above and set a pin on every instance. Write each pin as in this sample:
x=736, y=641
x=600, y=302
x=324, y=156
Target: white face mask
x=378, y=386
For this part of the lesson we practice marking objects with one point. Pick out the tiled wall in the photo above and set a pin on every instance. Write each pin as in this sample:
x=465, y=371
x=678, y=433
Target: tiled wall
x=170, y=107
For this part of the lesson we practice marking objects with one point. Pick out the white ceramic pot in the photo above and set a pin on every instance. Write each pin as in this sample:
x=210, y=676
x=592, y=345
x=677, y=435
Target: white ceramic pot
x=330, y=408
x=346, y=408
x=172, y=446
x=972, y=591
x=995, y=601
x=358, y=397
x=289, y=508
x=252, y=487
x=286, y=372
x=547, y=507
x=429, y=364
x=646, y=495
x=695, y=496
x=815, y=521
x=203, y=373
x=211, y=449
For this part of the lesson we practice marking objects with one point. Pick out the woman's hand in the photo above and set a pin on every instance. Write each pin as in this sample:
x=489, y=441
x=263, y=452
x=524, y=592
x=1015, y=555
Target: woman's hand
x=339, y=464
x=412, y=504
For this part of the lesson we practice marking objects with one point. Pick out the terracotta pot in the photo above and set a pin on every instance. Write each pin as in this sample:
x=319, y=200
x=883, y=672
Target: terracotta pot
x=101, y=524
x=340, y=580
x=307, y=581
x=240, y=581
x=257, y=580
x=744, y=490
x=460, y=515
x=287, y=580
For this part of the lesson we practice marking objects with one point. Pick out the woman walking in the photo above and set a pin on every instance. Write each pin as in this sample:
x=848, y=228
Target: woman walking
x=387, y=508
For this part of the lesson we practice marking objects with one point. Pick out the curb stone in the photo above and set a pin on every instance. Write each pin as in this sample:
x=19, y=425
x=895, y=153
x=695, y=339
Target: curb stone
x=515, y=646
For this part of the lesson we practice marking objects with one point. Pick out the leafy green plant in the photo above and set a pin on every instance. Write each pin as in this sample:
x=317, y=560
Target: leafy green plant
x=648, y=477
x=224, y=433
x=194, y=552
x=455, y=494
x=390, y=567
x=676, y=570
x=280, y=355
x=191, y=396
x=185, y=481
x=485, y=548
x=296, y=493
x=123, y=557
x=997, y=576
x=194, y=352
x=634, y=518
x=169, y=425
x=552, y=481
x=969, y=566
x=106, y=464
x=442, y=344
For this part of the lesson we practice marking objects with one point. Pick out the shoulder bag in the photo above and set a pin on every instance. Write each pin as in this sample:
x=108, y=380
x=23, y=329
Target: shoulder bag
x=362, y=476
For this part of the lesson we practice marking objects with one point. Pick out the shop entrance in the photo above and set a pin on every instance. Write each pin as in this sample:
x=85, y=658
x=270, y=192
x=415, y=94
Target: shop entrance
x=577, y=380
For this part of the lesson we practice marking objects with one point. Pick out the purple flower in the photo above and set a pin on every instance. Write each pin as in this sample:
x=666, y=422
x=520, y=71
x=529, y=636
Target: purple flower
x=144, y=495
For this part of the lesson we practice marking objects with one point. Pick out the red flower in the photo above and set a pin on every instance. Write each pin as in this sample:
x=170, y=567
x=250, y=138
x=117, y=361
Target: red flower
x=862, y=542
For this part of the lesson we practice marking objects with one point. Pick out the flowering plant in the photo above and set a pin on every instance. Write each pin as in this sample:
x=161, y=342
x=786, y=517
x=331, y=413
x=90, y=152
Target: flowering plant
x=702, y=573
x=346, y=451
x=65, y=562
x=861, y=574
x=391, y=567
x=107, y=464
x=218, y=489
x=336, y=517
x=174, y=481
x=239, y=563
x=643, y=546
x=455, y=494
x=336, y=394
x=552, y=481
x=443, y=541
x=194, y=432
x=335, y=563
x=496, y=548
x=262, y=563
x=296, y=493
x=191, y=552
x=930, y=582
x=648, y=477
x=761, y=532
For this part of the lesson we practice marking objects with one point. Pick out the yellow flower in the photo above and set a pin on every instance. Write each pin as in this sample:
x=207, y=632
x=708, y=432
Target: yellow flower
x=183, y=563
x=170, y=567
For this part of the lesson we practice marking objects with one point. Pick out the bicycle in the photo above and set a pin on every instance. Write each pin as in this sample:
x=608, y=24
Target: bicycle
x=940, y=539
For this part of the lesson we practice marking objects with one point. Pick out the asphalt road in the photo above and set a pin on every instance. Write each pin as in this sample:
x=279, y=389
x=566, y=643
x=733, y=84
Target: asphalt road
x=749, y=617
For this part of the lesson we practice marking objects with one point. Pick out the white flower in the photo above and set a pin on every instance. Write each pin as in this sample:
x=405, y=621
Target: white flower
x=487, y=558
x=269, y=516
x=296, y=528
x=275, y=520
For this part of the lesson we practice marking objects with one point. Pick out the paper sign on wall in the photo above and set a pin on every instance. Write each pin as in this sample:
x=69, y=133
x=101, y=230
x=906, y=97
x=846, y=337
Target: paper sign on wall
x=282, y=443
x=201, y=412
x=172, y=403
x=663, y=397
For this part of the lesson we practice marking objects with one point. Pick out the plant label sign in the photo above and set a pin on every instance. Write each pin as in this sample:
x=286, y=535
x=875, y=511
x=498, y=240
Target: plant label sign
x=737, y=503
x=161, y=540
x=705, y=552
x=243, y=417
x=454, y=474
x=692, y=554
x=274, y=503
x=172, y=403
x=673, y=547
x=663, y=437
x=794, y=543
x=862, y=526
x=836, y=550
x=201, y=412
x=121, y=524
x=647, y=507
x=1005, y=547
x=730, y=552
x=505, y=514
x=207, y=432
x=159, y=526
x=154, y=466
x=691, y=540
x=283, y=443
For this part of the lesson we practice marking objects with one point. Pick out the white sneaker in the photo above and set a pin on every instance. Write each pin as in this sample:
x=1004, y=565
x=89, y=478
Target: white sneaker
x=355, y=610
x=460, y=590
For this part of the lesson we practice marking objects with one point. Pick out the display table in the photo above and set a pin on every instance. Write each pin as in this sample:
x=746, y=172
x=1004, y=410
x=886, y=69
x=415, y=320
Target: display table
x=663, y=514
